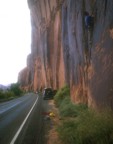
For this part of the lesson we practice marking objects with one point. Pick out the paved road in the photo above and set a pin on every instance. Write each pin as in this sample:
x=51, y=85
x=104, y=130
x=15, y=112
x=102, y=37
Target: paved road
x=21, y=121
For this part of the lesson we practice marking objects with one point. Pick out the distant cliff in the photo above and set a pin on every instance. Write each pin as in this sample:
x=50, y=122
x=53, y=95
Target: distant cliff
x=62, y=53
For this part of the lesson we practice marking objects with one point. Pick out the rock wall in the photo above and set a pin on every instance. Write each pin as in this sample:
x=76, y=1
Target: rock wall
x=45, y=63
x=64, y=52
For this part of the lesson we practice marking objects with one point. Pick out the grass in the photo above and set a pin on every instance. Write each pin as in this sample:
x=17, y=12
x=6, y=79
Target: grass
x=88, y=128
x=82, y=125
x=68, y=109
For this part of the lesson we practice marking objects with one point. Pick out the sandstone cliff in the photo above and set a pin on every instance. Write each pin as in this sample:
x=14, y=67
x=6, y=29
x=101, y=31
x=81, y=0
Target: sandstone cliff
x=62, y=54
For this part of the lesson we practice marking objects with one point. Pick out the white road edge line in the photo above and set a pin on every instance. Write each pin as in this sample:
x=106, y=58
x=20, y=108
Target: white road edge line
x=19, y=130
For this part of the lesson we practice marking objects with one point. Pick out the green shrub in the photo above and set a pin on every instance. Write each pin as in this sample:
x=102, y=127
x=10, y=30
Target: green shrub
x=89, y=127
x=81, y=124
x=9, y=94
x=6, y=94
x=61, y=94
x=68, y=109
x=12, y=92
x=16, y=89
x=2, y=95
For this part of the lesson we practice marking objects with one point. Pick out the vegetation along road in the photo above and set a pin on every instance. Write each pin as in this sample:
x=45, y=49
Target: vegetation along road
x=20, y=120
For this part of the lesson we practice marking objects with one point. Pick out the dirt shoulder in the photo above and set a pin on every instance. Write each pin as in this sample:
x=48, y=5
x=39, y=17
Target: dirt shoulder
x=51, y=120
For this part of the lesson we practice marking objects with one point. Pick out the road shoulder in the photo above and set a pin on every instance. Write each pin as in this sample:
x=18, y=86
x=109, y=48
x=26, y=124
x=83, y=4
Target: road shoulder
x=51, y=120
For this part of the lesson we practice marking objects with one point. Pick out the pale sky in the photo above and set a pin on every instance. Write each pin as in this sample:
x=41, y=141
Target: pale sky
x=15, y=39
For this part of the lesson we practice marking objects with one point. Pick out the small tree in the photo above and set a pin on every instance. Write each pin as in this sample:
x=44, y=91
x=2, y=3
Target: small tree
x=15, y=88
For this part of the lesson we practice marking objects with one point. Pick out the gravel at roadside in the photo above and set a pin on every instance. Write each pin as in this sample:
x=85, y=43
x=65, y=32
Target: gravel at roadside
x=51, y=120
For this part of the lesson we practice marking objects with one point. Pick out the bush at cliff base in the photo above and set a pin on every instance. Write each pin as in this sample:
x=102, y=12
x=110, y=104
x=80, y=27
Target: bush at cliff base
x=81, y=125
x=61, y=94
x=89, y=127
x=66, y=107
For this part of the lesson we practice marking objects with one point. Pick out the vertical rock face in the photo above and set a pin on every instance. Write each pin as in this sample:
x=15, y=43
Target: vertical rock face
x=45, y=63
x=65, y=52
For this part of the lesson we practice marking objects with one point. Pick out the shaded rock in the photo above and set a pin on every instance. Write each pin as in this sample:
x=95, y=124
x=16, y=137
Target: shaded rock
x=62, y=54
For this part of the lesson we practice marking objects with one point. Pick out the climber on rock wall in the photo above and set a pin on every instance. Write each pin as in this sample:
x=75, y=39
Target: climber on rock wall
x=89, y=23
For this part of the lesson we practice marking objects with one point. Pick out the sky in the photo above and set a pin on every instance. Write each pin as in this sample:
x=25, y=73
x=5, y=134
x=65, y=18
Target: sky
x=15, y=39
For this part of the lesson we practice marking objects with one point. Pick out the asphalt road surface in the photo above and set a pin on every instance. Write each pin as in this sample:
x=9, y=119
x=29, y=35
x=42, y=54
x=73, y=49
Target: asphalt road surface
x=21, y=121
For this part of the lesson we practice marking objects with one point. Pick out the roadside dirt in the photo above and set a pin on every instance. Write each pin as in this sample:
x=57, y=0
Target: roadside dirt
x=51, y=120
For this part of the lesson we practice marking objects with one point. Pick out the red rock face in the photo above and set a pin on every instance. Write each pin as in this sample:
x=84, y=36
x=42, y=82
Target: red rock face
x=45, y=63
x=64, y=52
